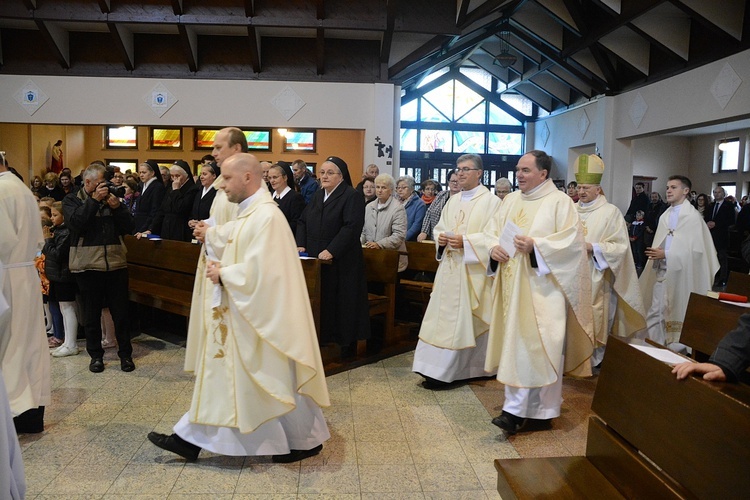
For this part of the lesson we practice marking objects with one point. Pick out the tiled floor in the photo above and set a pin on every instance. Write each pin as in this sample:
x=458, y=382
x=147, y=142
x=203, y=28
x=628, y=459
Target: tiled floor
x=390, y=438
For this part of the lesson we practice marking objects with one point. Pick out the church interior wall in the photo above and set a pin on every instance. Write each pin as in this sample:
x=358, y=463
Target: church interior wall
x=81, y=101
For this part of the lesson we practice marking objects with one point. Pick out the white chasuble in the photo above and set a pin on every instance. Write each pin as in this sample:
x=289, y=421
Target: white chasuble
x=24, y=355
x=691, y=265
x=258, y=354
x=530, y=312
x=222, y=211
x=460, y=305
x=604, y=225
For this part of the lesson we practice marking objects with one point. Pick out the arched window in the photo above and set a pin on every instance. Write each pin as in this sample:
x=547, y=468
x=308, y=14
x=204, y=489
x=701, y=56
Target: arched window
x=460, y=111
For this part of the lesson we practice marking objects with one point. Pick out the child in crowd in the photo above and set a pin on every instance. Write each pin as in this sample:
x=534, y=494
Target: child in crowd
x=45, y=214
x=62, y=290
x=637, y=243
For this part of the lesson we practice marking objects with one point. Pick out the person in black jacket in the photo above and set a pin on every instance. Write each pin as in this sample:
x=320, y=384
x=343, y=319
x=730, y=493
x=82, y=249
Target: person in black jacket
x=97, y=222
x=205, y=195
x=151, y=195
x=329, y=229
x=639, y=202
x=285, y=195
x=171, y=221
x=719, y=216
x=62, y=284
x=730, y=359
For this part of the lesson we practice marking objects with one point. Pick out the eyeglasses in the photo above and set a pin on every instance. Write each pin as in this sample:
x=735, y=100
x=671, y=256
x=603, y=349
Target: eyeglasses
x=399, y=188
x=465, y=169
x=328, y=172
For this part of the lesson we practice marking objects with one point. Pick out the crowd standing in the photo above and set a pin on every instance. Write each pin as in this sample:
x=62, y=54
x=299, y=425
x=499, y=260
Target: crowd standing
x=530, y=283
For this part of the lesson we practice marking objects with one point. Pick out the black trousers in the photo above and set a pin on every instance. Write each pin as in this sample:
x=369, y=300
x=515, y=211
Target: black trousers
x=100, y=289
x=723, y=275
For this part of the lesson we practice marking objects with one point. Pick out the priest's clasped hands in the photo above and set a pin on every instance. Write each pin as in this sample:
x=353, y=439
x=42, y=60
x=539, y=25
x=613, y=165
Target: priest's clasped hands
x=199, y=231
x=454, y=240
x=523, y=244
x=213, y=271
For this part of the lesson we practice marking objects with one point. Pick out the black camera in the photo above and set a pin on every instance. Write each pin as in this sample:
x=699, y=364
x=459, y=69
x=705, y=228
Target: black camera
x=118, y=191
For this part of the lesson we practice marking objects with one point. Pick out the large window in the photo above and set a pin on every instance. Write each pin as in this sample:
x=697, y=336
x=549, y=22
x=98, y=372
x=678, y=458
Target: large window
x=729, y=154
x=124, y=137
x=460, y=111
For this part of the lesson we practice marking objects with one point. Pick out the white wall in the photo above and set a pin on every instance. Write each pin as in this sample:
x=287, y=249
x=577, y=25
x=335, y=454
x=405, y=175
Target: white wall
x=209, y=103
x=702, y=160
x=629, y=147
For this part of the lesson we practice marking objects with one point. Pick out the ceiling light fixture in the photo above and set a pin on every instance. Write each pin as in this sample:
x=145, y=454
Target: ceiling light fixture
x=504, y=59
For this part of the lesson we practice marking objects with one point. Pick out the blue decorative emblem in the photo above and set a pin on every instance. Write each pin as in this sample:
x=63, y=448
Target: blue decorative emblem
x=30, y=96
x=160, y=99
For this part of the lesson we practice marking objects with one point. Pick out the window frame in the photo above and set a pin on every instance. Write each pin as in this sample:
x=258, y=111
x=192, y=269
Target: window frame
x=107, y=140
x=151, y=144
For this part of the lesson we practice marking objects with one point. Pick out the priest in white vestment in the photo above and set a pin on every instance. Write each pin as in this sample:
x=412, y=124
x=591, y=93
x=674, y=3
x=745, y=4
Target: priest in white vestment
x=12, y=477
x=227, y=142
x=259, y=377
x=542, y=316
x=24, y=355
x=682, y=259
x=617, y=303
x=453, y=337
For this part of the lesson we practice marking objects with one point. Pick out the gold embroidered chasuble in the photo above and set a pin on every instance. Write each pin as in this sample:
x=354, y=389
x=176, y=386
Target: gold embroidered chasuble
x=530, y=313
x=691, y=265
x=460, y=305
x=222, y=211
x=256, y=353
x=604, y=224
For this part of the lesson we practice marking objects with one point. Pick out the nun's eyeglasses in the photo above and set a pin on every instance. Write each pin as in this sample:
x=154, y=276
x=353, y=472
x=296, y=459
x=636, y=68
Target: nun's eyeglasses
x=329, y=172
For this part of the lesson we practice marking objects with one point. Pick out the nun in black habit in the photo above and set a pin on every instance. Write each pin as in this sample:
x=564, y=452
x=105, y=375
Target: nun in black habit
x=285, y=194
x=329, y=229
x=206, y=193
x=171, y=221
x=152, y=193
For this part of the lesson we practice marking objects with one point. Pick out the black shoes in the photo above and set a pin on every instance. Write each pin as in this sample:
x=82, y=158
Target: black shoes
x=435, y=384
x=96, y=365
x=175, y=444
x=127, y=365
x=512, y=424
x=292, y=456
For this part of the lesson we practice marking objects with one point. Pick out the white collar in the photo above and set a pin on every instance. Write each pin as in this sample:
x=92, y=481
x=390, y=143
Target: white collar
x=283, y=193
x=467, y=195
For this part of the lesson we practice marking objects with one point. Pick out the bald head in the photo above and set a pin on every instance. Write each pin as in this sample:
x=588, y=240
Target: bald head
x=242, y=176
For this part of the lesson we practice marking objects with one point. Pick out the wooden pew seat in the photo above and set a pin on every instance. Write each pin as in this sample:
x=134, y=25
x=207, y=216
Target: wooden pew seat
x=706, y=322
x=653, y=436
x=381, y=268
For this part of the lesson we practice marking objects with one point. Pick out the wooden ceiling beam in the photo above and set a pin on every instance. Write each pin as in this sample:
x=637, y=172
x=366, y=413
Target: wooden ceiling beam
x=58, y=40
x=254, y=39
x=584, y=25
x=177, y=7
x=320, y=51
x=104, y=6
x=390, y=22
x=189, y=42
x=123, y=39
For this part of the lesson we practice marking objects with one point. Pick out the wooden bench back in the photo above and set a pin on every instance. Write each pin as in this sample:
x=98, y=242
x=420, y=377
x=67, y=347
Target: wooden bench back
x=421, y=257
x=698, y=433
x=739, y=283
x=381, y=266
x=175, y=256
x=706, y=322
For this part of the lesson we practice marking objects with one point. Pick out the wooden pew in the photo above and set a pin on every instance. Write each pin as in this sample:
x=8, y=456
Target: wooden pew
x=421, y=260
x=381, y=267
x=161, y=273
x=695, y=435
x=706, y=322
x=738, y=283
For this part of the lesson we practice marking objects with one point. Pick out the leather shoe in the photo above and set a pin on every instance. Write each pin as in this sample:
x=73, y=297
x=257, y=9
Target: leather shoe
x=96, y=365
x=512, y=424
x=435, y=384
x=175, y=444
x=127, y=365
x=296, y=455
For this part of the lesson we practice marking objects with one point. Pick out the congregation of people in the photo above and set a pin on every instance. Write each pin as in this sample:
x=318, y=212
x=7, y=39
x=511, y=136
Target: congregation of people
x=530, y=283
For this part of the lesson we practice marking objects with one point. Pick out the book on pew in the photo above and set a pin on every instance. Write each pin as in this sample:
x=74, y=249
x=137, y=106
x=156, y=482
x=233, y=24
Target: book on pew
x=662, y=354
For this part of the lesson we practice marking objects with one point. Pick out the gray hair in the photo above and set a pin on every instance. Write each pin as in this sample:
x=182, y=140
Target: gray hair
x=475, y=159
x=504, y=181
x=387, y=178
x=408, y=179
x=93, y=171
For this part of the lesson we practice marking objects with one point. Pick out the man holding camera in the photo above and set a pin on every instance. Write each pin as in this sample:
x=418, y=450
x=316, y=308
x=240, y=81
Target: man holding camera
x=97, y=222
